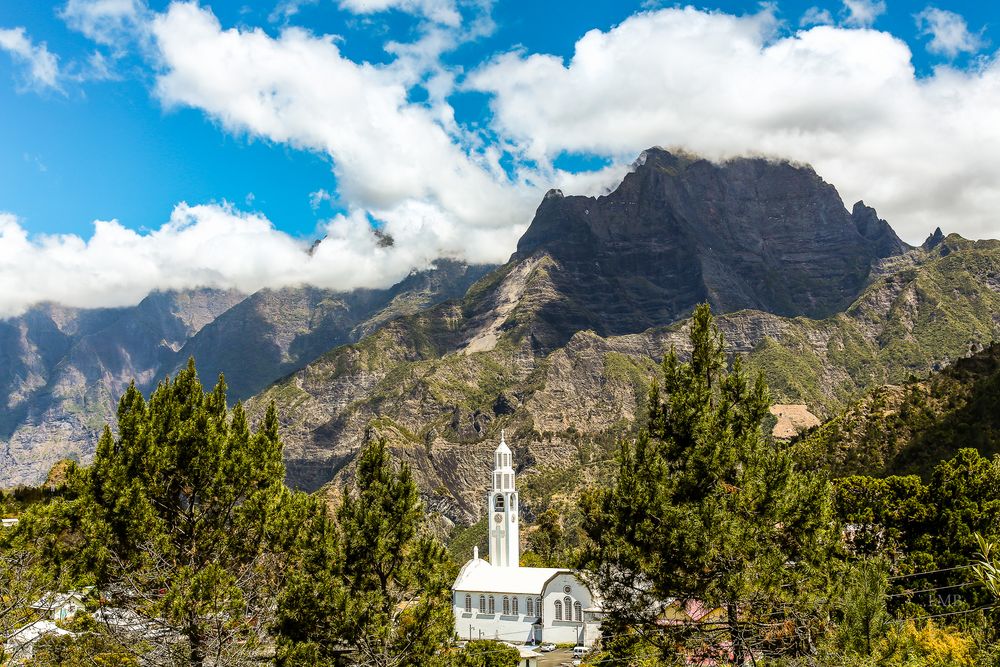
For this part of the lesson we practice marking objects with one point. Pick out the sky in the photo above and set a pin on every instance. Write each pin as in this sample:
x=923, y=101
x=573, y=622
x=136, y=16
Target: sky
x=151, y=145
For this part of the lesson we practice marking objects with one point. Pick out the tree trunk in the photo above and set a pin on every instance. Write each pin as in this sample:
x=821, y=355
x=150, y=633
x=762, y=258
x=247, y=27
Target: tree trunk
x=735, y=635
x=196, y=644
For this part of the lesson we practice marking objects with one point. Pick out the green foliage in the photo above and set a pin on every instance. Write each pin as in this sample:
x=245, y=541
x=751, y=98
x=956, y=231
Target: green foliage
x=909, y=429
x=372, y=587
x=923, y=528
x=91, y=649
x=486, y=653
x=706, y=507
x=865, y=618
x=175, y=517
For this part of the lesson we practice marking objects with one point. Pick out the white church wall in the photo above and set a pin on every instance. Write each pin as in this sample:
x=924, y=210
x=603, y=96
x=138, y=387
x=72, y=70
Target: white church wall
x=565, y=628
x=514, y=628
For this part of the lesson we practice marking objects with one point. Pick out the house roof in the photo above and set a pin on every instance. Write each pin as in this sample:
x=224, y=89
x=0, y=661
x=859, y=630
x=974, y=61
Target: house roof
x=478, y=576
x=51, y=601
x=31, y=632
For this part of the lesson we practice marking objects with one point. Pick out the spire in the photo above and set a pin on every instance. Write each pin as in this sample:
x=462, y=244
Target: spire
x=502, y=457
x=502, y=508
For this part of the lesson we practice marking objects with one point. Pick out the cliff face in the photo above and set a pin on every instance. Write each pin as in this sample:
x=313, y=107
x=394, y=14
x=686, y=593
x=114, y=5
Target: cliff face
x=432, y=386
x=528, y=348
x=62, y=369
x=678, y=231
x=275, y=332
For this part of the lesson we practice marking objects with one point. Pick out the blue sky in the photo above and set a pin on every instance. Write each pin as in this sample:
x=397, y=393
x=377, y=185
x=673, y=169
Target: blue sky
x=444, y=120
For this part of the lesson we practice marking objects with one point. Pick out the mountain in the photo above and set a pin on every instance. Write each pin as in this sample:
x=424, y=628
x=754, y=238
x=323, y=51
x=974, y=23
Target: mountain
x=562, y=359
x=274, y=332
x=62, y=369
x=908, y=428
x=678, y=231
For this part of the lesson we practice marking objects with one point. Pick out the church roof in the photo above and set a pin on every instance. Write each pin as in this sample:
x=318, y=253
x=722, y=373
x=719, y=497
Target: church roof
x=479, y=576
x=502, y=447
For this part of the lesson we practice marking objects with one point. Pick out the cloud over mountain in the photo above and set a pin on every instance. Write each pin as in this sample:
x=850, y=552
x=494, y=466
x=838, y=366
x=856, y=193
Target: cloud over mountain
x=924, y=151
x=199, y=246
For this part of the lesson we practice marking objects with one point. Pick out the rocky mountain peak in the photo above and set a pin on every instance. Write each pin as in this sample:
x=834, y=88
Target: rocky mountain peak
x=748, y=233
x=933, y=240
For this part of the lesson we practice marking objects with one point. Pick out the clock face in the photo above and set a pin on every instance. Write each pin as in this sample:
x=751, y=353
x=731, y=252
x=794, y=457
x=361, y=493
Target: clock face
x=498, y=517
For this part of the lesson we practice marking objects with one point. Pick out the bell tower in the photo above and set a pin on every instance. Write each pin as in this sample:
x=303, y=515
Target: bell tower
x=501, y=506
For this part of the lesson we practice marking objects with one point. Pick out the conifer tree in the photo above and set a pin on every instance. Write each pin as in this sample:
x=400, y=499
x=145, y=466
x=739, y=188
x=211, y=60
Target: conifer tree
x=708, y=508
x=372, y=587
x=174, y=522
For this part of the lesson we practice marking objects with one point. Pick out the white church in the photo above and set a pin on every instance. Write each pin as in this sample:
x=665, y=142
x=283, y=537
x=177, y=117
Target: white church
x=499, y=599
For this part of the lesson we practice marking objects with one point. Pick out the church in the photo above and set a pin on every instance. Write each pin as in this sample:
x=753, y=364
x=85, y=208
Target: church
x=499, y=599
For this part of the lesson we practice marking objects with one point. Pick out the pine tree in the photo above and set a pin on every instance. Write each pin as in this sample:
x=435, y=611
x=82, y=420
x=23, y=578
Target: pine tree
x=175, y=520
x=372, y=587
x=708, y=508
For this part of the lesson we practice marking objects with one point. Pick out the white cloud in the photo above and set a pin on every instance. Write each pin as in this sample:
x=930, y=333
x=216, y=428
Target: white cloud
x=286, y=9
x=317, y=198
x=108, y=22
x=42, y=66
x=439, y=11
x=816, y=16
x=863, y=13
x=392, y=159
x=212, y=246
x=925, y=152
x=948, y=31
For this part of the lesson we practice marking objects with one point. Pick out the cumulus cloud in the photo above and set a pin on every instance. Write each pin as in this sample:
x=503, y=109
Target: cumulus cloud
x=42, y=67
x=208, y=245
x=439, y=11
x=948, y=31
x=863, y=13
x=395, y=160
x=925, y=152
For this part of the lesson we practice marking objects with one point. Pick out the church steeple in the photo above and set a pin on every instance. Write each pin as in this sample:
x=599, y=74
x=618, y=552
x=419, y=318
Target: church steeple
x=505, y=548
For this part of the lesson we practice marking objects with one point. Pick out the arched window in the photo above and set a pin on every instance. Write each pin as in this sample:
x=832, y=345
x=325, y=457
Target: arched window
x=538, y=606
x=578, y=612
x=482, y=604
x=568, y=604
x=506, y=606
x=515, y=609
x=498, y=503
x=531, y=606
x=468, y=603
x=493, y=605
x=558, y=610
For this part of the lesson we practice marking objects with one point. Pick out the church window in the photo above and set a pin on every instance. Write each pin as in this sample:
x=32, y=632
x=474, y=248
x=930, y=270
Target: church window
x=578, y=611
x=468, y=603
x=493, y=605
x=568, y=603
x=538, y=606
x=531, y=606
x=496, y=483
x=558, y=606
x=482, y=604
x=506, y=606
x=515, y=607
x=498, y=502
